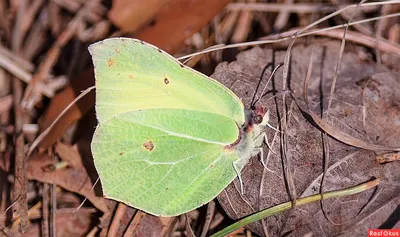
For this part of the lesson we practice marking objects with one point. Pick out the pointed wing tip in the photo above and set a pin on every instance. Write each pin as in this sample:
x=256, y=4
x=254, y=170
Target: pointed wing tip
x=92, y=48
x=95, y=47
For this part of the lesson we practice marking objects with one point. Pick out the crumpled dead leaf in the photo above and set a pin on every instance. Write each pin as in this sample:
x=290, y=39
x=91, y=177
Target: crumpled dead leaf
x=378, y=106
x=73, y=178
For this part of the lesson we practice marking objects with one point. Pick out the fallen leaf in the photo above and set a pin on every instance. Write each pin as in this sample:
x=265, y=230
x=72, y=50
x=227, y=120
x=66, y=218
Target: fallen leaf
x=350, y=166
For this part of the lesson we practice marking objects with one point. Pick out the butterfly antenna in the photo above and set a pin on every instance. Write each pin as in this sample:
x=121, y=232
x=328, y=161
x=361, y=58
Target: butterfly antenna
x=269, y=79
x=258, y=85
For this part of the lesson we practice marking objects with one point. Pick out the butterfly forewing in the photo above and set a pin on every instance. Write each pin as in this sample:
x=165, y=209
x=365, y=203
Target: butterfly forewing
x=133, y=75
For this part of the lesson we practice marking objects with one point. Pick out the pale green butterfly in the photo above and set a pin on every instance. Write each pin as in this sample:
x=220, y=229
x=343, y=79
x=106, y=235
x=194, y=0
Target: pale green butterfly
x=169, y=139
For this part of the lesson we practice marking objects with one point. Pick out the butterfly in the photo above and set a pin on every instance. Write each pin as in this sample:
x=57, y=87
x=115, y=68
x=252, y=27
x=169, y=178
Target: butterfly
x=169, y=139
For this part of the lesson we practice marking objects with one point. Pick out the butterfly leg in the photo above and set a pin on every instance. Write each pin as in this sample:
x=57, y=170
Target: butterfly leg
x=263, y=138
x=259, y=150
x=238, y=165
x=270, y=126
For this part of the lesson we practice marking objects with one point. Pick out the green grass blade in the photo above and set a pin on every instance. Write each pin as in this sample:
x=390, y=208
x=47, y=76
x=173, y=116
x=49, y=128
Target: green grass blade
x=300, y=202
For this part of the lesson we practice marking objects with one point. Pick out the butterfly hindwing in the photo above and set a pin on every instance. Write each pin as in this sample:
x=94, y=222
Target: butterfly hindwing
x=165, y=161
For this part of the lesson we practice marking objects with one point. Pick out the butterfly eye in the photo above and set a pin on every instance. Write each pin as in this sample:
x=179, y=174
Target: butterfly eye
x=258, y=119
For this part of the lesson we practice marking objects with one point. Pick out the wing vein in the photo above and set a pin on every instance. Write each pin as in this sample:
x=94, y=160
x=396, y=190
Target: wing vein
x=194, y=180
x=180, y=135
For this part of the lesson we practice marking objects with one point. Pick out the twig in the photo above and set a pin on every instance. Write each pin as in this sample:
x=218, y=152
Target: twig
x=225, y=28
x=45, y=210
x=300, y=32
x=362, y=39
x=20, y=183
x=242, y=27
x=365, y=29
x=20, y=180
x=116, y=221
x=134, y=223
x=283, y=16
x=53, y=200
x=22, y=62
x=72, y=6
x=380, y=26
x=36, y=39
x=29, y=15
x=188, y=228
x=209, y=218
x=14, y=69
x=53, y=214
x=5, y=103
x=21, y=74
x=300, y=8
x=55, y=18
x=6, y=231
x=31, y=95
x=93, y=232
x=31, y=211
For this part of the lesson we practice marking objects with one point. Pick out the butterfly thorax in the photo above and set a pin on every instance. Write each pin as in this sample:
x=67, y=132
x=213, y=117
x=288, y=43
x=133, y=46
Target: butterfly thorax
x=250, y=136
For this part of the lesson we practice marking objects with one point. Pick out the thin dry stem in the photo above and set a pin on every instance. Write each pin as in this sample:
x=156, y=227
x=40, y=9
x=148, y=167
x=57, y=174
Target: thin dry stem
x=116, y=221
x=134, y=223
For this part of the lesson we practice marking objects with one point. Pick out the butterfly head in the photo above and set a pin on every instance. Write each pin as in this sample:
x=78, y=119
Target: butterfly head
x=262, y=116
x=259, y=116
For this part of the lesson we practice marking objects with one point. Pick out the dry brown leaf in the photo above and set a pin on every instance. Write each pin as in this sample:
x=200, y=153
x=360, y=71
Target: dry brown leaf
x=74, y=179
x=178, y=21
x=68, y=224
x=56, y=120
x=266, y=187
x=70, y=154
x=130, y=15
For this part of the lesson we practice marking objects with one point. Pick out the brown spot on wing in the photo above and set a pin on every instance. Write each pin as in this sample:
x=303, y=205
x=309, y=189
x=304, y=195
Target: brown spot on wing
x=110, y=62
x=130, y=76
x=166, y=81
x=148, y=145
x=121, y=153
